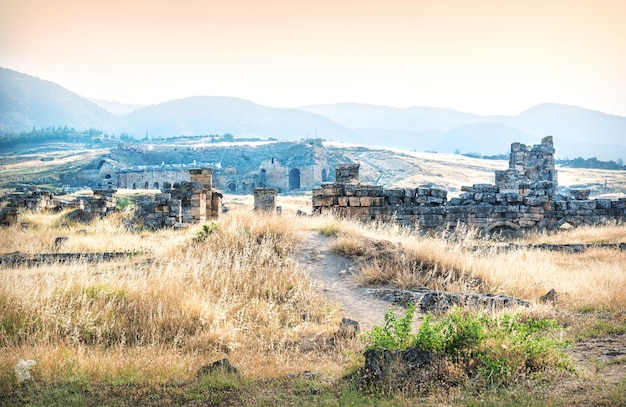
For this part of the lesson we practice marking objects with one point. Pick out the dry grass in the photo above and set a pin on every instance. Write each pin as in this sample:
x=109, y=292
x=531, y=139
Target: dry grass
x=593, y=280
x=188, y=299
x=193, y=296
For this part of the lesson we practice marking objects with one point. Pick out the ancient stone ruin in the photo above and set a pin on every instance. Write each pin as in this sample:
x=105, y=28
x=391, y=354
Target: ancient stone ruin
x=238, y=169
x=265, y=199
x=184, y=202
x=86, y=208
x=524, y=197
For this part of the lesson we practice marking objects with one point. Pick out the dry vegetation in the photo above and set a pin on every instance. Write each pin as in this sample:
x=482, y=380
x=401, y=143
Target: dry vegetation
x=232, y=288
x=593, y=280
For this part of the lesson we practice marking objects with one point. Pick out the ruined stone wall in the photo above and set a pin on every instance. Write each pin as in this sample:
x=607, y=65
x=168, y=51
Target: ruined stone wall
x=528, y=200
x=530, y=165
x=265, y=199
x=187, y=202
x=99, y=205
x=32, y=199
x=151, y=177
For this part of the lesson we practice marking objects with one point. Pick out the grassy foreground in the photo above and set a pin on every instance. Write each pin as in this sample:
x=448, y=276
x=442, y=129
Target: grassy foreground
x=135, y=331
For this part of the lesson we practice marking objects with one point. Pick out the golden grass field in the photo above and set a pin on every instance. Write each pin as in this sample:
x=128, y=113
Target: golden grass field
x=184, y=298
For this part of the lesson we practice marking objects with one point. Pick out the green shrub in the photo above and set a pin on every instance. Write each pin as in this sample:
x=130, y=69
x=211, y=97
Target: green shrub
x=396, y=333
x=498, y=349
x=207, y=229
x=123, y=202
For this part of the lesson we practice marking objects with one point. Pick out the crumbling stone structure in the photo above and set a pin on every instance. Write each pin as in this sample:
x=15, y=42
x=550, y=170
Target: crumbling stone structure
x=185, y=202
x=32, y=199
x=525, y=197
x=99, y=205
x=86, y=208
x=265, y=199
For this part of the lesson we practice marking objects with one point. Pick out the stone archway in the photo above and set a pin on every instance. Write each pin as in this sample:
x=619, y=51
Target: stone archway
x=294, y=179
x=232, y=186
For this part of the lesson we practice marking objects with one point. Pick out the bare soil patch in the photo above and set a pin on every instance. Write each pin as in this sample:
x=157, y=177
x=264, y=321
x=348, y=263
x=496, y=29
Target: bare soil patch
x=335, y=278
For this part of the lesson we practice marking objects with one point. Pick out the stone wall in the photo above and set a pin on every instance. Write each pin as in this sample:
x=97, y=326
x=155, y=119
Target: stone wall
x=525, y=197
x=151, y=177
x=32, y=199
x=265, y=199
x=185, y=202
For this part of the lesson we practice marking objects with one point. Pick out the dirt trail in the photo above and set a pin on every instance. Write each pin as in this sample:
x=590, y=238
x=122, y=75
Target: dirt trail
x=334, y=278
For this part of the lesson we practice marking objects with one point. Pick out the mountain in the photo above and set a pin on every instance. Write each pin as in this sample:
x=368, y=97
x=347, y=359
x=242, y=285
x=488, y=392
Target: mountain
x=217, y=115
x=577, y=131
x=117, y=108
x=27, y=102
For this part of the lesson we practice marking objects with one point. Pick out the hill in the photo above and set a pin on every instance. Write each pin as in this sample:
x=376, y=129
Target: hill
x=27, y=102
x=204, y=115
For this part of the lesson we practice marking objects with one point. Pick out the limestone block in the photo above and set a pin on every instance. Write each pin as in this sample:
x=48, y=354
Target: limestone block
x=324, y=201
x=532, y=201
x=378, y=201
x=342, y=201
x=365, y=201
x=425, y=191
x=587, y=205
x=354, y=201
x=439, y=193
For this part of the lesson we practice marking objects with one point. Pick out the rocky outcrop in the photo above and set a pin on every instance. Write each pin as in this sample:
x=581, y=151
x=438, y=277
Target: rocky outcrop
x=427, y=300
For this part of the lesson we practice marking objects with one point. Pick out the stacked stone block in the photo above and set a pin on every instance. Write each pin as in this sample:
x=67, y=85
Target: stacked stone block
x=528, y=200
x=265, y=199
x=528, y=166
x=99, y=205
x=186, y=202
x=31, y=198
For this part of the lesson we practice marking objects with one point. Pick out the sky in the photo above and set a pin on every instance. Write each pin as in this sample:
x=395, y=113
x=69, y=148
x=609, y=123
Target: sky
x=479, y=56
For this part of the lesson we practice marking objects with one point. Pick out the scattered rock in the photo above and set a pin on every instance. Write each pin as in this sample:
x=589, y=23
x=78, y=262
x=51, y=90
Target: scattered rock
x=550, y=297
x=219, y=366
x=58, y=242
x=396, y=368
x=348, y=328
x=427, y=300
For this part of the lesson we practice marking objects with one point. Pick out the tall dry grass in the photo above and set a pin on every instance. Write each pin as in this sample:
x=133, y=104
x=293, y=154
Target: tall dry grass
x=592, y=280
x=233, y=289
x=188, y=298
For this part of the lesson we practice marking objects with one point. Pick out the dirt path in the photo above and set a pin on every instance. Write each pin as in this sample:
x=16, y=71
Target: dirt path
x=334, y=278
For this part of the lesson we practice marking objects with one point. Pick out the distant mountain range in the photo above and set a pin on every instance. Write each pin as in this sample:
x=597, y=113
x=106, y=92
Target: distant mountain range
x=27, y=102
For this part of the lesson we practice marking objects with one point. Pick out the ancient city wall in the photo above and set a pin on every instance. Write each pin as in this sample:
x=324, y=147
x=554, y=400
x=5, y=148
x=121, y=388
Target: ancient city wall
x=524, y=197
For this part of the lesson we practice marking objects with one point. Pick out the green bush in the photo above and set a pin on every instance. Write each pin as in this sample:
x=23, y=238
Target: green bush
x=123, y=202
x=498, y=349
x=396, y=333
x=207, y=229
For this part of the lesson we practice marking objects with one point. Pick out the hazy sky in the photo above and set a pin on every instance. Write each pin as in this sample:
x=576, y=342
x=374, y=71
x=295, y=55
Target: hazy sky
x=482, y=56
